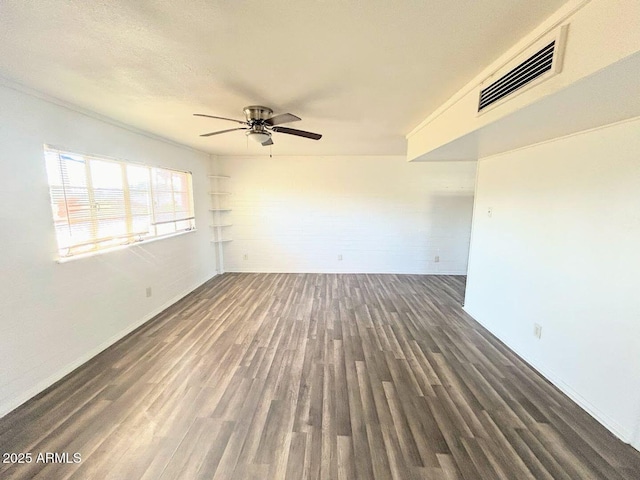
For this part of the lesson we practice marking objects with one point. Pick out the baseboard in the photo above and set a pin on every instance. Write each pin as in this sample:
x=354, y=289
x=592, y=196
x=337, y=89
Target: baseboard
x=343, y=272
x=14, y=403
x=614, y=427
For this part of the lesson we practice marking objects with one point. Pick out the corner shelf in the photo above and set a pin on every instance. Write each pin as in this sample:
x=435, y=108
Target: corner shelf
x=219, y=209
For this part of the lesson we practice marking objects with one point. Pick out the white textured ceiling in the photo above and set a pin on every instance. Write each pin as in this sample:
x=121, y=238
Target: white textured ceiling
x=362, y=73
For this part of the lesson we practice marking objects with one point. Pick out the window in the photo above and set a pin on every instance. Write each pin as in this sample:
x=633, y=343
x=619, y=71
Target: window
x=99, y=203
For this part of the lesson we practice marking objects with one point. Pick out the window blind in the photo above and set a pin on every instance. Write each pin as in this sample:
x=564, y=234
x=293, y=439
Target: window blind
x=100, y=203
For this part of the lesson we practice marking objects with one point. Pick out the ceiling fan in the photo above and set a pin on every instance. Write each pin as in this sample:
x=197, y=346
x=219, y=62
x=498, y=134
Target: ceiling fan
x=260, y=123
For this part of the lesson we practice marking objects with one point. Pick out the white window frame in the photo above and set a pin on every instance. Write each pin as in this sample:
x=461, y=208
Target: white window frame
x=183, y=220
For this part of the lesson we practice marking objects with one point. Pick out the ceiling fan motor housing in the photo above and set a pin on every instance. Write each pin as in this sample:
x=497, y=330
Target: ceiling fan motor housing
x=256, y=113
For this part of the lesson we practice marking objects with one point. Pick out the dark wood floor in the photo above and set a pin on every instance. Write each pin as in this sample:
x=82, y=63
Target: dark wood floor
x=284, y=376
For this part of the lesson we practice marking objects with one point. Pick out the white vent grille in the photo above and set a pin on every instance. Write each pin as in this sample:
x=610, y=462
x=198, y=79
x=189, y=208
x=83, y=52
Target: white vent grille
x=544, y=62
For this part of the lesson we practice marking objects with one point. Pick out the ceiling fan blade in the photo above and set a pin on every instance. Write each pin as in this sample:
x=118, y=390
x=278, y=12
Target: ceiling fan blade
x=268, y=142
x=221, y=131
x=219, y=118
x=299, y=133
x=280, y=119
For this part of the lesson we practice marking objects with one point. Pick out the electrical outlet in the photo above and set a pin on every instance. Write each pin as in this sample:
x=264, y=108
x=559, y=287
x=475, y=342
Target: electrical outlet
x=245, y=256
x=490, y=212
x=537, y=330
x=148, y=292
x=340, y=257
x=437, y=259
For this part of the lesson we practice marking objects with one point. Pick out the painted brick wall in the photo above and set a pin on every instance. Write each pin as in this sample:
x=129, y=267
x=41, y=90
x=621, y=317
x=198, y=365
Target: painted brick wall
x=380, y=213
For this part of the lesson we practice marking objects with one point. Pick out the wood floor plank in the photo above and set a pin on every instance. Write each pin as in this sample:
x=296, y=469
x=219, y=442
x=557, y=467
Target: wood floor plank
x=312, y=377
x=296, y=459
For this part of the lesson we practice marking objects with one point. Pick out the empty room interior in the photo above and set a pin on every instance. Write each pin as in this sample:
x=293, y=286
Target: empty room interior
x=320, y=240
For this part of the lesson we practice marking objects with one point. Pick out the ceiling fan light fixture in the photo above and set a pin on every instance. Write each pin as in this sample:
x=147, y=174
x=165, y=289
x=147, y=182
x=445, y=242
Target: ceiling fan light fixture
x=259, y=137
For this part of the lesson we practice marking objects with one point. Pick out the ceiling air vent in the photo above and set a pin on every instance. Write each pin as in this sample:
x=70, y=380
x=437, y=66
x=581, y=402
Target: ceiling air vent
x=544, y=62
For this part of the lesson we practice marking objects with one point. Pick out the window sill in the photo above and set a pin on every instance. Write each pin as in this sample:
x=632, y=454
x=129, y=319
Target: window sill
x=81, y=256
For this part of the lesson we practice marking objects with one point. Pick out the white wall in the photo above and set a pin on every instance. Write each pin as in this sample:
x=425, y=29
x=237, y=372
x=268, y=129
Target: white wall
x=297, y=214
x=45, y=328
x=562, y=249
